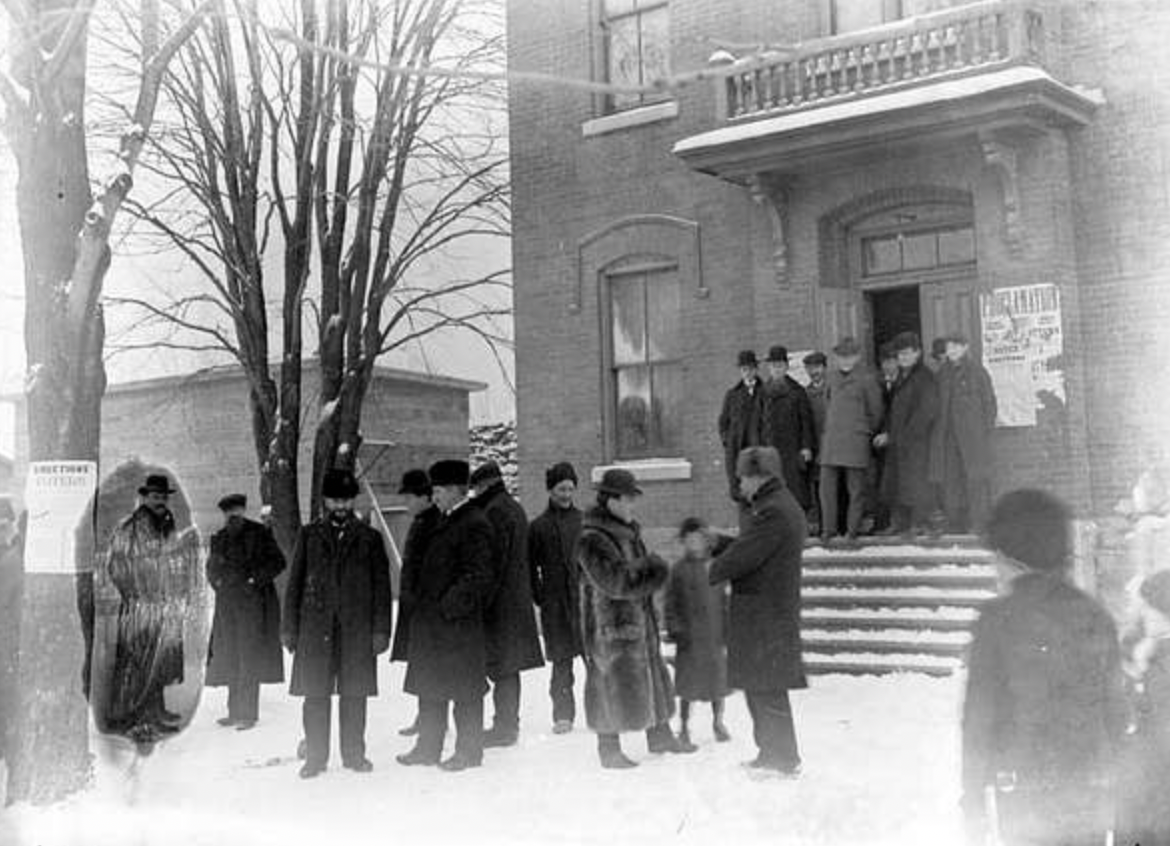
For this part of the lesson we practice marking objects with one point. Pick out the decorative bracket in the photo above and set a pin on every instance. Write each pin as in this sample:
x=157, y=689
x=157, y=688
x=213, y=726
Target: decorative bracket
x=771, y=192
x=1003, y=157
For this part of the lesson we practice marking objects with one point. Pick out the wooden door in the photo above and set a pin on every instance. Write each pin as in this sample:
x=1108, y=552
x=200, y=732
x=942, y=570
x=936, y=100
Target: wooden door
x=951, y=306
x=841, y=312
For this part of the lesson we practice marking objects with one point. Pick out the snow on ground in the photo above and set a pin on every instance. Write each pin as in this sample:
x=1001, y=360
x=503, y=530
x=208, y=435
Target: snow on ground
x=880, y=753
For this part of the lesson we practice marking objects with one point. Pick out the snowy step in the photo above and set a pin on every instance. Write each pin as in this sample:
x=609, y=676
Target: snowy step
x=886, y=641
x=943, y=576
x=906, y=556
x=942, y=618
x=858, y=663
x=900, y=597
x=878, y=542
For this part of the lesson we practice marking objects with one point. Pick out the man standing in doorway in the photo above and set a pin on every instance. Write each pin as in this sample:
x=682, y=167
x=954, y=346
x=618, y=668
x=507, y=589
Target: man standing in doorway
x=740, y=421
x=788, y=424
x=814, y=366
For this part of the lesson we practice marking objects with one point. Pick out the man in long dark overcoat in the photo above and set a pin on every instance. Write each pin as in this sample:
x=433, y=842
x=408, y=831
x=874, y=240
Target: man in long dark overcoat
x=741, y=419
x=510, y=621
x=906, y=438
x=447, y=653
x=245, y=632
x=337, y=619
x=788, y=424
x=551, y=540
x=415, y=489
x=763, y=646
x=961, y=458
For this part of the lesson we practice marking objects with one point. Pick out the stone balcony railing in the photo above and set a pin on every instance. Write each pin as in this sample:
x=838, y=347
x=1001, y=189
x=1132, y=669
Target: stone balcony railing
x=965, y=39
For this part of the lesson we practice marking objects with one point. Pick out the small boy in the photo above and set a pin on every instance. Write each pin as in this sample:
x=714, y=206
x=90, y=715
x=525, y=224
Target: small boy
x=696, y=621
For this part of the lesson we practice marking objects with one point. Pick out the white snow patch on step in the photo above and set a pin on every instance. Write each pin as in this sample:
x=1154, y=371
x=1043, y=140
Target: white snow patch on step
x=895, y=593
x=953, y=553
x=958, y=571
x=959, y=638
x=946, y=612
x=877, y=659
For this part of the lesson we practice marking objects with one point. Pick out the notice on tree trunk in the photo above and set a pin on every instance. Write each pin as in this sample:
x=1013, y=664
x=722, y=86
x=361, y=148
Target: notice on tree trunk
x=57, y=495
x=1022, y=348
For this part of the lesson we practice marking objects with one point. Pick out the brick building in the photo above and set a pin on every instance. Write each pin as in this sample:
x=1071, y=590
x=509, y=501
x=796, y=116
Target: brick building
x=199, y=426
x=856, y=167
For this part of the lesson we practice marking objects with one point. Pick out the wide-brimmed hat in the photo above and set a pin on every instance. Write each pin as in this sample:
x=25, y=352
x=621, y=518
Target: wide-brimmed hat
x=157, y=483
x=339, y=484
x=847, y=346
x=415, y=482
x=562, y=471
x=747, y=358
x=487, y=472
x=778, y=353
x=232, y=500
x=816, y=357
x=450, y=471
x=618, y=482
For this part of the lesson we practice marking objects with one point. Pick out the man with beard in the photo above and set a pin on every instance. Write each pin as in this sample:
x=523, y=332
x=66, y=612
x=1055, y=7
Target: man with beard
x=788, y=423
x=337, y=619
x=245, y=633
x=741, y=418
x=154, y=572
x=510, y=622
x=416, y=492
x=551, y=540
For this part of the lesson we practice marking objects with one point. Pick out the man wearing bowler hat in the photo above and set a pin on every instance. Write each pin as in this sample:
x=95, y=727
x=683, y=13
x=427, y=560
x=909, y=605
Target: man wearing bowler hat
x=447, y=653
x=788, y=424
x=741, y=420
x=337, y=619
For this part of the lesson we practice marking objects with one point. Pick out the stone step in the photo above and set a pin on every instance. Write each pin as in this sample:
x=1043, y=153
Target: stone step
x=870, y=663
x=885, y=641
x=897, y=597
x=944, y=576
x=907, y=556
x=921, y=541
x=943, y=618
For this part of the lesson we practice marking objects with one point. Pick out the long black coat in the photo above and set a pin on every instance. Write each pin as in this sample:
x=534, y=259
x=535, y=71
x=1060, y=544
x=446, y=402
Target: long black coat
x=696, y=619
x=513, y=643
x=339, y=586
x=627, y=685
x=763, y=566
x=245, y=633
x=967, y=409
x=418, y=537
x=1044, y=701
x=447, y=652
x=1144, y=813
x=788, y=426
x=909, y=425
x=740, y=424
x=552, y=538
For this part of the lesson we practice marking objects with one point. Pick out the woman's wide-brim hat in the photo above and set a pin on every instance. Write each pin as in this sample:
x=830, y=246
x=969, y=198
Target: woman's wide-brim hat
x=157, y=483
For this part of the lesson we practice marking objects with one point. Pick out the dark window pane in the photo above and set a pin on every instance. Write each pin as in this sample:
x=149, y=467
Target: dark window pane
x=633, y=411
x=627, y=305
x=956, y=246
x=881, y=255
x=918, y=251
x=667, y=410
x=655, y=44
x=664, y=306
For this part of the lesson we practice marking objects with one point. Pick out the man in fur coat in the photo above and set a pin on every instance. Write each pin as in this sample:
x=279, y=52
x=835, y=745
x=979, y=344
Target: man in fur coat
x=154, y=572
x=627, y=685
x=337, y=620
x=552, y=537
x=763, y=645
x=245, y=633
x=510, y=621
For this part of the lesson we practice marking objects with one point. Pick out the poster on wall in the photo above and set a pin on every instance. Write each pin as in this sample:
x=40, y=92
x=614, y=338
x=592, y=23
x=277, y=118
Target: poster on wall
x=57, y=494
x=1022, y=347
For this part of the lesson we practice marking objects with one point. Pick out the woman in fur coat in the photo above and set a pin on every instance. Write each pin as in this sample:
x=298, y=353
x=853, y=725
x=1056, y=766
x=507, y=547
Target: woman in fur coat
x=627, y=685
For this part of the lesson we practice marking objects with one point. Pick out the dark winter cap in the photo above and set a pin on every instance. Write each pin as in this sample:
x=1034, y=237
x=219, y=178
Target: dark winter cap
x=156, y=483
x=450, y=471
x=938, y=347
x=618, y=483
x=1155, y=591
x=817, y=357
x=778, y=353
x=747, y=358
x=759, y=461
x=691, y=524
x=906, y=341
x=233, y=500
x=487, y=472
x=415, y=482
x=848, y=346
x=1031, y=526
x=560, y=472
x=888, y=351
x=339, y=484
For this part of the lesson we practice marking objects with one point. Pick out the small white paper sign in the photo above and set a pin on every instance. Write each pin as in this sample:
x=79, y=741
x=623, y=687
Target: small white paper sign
x=56, y=494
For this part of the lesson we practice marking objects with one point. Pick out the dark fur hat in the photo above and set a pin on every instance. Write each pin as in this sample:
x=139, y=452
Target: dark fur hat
x=415, y=482
x=759, y=461
x=450, y=471
x=559, y=472
x=489, y=471
x=339, y=484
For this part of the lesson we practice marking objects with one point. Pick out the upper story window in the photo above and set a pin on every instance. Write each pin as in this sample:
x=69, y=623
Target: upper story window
x=904, y=252
x=852, y=15
x=637, y=47
x=645, y=351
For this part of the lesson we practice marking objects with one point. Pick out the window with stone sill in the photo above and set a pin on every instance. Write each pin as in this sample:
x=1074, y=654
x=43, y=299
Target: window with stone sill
x=853, y=15
x=636, y=36
x=645, y=369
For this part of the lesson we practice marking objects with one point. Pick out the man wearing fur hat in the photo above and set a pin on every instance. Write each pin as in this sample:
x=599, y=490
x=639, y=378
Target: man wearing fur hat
x=245, y=633
x=337, y=619
x=627, y=685
x=447, y=652
x=741, y=420
x=763, y=646
x=551, y=540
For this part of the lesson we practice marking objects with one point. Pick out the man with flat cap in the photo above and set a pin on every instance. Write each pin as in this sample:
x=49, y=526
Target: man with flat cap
x=416, y=492
x=245, y=632
x=788, y=424
x=447, y=652
x=741, y=420
x=337, y=619
x=510, y=620
x=551, y=540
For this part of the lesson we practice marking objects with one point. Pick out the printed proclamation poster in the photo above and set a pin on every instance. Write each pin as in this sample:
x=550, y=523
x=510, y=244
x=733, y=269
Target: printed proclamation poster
x=1022, y=347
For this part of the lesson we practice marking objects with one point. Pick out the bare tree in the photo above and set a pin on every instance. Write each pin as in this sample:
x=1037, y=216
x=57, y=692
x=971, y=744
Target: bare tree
x=319, y=128
x=65, y=239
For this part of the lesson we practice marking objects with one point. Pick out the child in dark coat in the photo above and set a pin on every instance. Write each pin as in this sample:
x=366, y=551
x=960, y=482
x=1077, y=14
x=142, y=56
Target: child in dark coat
x=696, y=616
